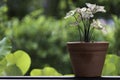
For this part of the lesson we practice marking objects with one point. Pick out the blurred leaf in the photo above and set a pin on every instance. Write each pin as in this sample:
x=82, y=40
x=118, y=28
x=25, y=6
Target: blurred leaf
x=112, y=58
x=2, y=57
x=46, y=71
x=10, y=59
x=36, y=72
x=117, y=63
x=111, y=66
x=5, y=46
x=49, y=71
x=3, y=64
x=12, y=70
x=5, y=0
x=3, y=9
x=109, y=69
x=21, y=59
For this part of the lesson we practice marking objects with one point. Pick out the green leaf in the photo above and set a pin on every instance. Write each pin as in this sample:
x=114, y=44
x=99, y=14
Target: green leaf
x=12, y=70
x=5, y=46
x=10, y=59
x=111, y=66
x=3, y=64
x=109, y=70
x=112, y=58
x=49, y=71
x=36, y=72
x=23, y=61
x=118, y=65
x=46, y=71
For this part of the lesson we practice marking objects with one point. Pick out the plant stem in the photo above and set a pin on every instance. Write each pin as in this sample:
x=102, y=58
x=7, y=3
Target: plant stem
x=88, y=30
x=91, y=33
x=79, y=28
x=83, y=21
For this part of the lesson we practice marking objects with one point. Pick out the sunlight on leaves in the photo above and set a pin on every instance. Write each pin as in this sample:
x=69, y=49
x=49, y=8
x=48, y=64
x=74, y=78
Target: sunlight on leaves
x=46, y=71
x=12, y=70
x=21, y=59
x=36, y=72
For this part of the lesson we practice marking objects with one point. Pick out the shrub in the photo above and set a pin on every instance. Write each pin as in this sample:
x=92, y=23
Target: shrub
x=43, y=38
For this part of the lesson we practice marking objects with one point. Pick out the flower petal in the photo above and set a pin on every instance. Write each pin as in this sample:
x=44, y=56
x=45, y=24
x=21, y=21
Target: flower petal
x=70, y=13
x=95, y=8
x=91, y=6
x=96, y=24
x=86, y=13
x=100, y=9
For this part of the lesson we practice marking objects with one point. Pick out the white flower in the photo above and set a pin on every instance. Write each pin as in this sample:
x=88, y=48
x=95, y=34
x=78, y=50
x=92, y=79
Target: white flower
x=104, y=30
x=91, y=6
x=85, y=12
x=95, y=8
x=78, y=10
x=97, y=25
x=70, y=13
x=83, y=9
x=100, y=9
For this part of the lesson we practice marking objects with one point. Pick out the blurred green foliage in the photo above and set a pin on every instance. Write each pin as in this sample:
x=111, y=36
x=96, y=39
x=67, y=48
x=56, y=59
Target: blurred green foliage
x=20, y=8
x=44, y=39
x=13, y=64
x=46, y=43
x=112, y=66
x=117, y=34
x=108, y=36
x=46, y=71
x=21, y=59
x=5, y=47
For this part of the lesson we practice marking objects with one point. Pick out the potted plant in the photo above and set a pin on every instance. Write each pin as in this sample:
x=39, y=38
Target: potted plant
x=87, y=56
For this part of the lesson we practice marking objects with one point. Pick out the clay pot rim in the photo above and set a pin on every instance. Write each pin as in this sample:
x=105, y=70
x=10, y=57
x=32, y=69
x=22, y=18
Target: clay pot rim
x=97, y=42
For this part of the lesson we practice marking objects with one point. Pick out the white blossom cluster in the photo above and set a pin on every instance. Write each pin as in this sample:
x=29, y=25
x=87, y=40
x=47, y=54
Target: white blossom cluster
x=87, y=13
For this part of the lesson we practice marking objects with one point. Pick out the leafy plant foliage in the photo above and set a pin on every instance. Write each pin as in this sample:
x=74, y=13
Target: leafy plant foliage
x=12, y=64
x=46, y=71
x=112, y=66
x=5, y=46
x=16, y=64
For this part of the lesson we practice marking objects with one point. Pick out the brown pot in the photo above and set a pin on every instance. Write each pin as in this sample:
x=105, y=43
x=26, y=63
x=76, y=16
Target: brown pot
x=87, y=58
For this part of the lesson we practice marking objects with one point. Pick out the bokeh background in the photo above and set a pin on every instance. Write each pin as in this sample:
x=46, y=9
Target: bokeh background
x=38, y=27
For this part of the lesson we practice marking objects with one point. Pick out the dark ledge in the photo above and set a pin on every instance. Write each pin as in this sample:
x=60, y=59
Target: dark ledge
x=58, y=78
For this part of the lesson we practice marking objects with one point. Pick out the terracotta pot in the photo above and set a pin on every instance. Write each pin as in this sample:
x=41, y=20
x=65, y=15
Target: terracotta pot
x=87, y=58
